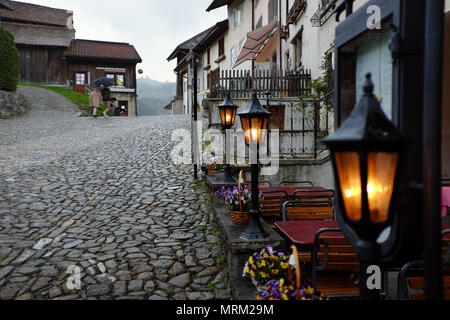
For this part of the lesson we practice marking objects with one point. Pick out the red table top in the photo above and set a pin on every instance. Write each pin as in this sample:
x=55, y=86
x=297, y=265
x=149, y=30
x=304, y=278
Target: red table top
x=445, y=191
x=304, y=232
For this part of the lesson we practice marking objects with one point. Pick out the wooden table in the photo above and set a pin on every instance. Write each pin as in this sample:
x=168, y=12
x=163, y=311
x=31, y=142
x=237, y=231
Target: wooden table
x=304, y=232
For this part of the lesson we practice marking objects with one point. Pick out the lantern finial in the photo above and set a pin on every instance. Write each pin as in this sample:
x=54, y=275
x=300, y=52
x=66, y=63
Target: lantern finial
x=368, y=85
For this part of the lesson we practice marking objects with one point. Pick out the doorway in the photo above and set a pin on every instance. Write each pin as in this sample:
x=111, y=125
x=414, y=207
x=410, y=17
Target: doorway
x=80, y=81
x=123, y=107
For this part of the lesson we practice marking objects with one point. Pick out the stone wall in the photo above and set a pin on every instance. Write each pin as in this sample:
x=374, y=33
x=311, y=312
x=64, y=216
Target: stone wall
x=13, y=104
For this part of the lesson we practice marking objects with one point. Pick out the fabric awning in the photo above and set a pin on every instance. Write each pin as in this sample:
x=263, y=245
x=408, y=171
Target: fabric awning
x=255, y=43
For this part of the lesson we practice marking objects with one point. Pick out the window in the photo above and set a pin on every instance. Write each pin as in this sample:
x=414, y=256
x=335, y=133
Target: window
x=221, y=47
x=298, y=49
x=208, y=57
x=233, y=56
x=273, y=10
x=119, y=79
x=238, y=15
x=277, y=118
x=241, y=44
x=259, y=24
x=80, y=79
x=213, y=78
x=274, y=60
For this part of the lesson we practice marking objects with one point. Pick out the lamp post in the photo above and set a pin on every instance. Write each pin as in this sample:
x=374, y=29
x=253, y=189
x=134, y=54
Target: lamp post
x=227, y=112
x=255, y=121
x=367, y=153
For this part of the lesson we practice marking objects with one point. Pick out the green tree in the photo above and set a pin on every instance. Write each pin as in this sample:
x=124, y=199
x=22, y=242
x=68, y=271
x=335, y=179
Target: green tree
x=9, y=61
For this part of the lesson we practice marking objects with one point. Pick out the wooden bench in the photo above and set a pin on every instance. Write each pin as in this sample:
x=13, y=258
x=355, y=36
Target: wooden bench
x=334, y=265
x=311, y=205
x=296, y=184
x=271, y=209
x=411, y=283
x=273, y=200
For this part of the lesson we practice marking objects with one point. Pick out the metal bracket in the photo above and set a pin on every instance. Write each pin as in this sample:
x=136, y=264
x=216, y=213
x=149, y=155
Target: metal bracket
x=399, y=47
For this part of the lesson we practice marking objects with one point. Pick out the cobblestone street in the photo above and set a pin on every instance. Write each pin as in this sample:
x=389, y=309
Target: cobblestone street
x=102, y=195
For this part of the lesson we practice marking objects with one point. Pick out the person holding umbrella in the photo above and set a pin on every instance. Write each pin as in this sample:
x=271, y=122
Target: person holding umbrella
x=94, y=101
x=104, y=84
x=106, y=97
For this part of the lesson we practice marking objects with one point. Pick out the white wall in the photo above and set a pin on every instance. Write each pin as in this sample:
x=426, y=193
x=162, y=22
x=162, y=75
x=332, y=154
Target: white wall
x=316, y=40
x=261, y=10
x=239, y=33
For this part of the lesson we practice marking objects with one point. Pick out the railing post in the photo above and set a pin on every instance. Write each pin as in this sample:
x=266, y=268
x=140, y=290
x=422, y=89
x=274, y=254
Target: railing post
x=316, y=109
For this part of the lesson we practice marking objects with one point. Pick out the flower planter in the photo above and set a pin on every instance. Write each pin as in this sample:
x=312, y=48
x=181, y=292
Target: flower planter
x=259, y=287
x=240, y=218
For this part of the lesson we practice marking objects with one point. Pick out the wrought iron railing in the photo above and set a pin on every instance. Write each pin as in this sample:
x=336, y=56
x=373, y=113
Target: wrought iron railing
x=303, y=124
x=325, y=11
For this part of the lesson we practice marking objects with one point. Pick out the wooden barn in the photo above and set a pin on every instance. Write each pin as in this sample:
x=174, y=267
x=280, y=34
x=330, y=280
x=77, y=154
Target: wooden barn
x=49, y=54
x=42, y=35
x=88, y=60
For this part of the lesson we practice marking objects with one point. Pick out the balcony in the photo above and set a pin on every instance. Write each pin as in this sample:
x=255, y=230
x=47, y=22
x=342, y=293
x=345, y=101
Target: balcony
x=241, y=83
x=298, y=7
x=325, y=11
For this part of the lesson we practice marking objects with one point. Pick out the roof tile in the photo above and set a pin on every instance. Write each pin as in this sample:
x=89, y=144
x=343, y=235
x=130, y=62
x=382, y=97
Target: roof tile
x=26, y=12
x=102, y=50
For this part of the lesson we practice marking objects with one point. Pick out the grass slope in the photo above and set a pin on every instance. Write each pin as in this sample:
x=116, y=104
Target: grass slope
x=80, y=99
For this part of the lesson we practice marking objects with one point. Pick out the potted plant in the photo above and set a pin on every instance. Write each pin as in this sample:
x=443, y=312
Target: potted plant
x=214, y=164
x=267, y=265
x=239, y=202
x=285, y=290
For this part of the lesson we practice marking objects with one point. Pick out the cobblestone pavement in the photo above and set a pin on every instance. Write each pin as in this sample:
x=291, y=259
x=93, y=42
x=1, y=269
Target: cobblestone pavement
x=102, y=195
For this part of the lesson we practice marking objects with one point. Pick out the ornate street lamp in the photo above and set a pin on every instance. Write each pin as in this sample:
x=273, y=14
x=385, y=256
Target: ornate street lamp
x=255, y=122
x=367, y=154
x=227, y=112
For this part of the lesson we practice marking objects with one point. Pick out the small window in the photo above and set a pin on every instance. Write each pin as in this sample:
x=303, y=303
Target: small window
x=221, y=47
x=214, y=78
x=273, y=10
x=241, y=44
x=298, y=48
x=238, y=15
x=233, y=56
x=208, y=57
x=259, y=24
x=119, y=79
x=277, y=118
x=80, y=79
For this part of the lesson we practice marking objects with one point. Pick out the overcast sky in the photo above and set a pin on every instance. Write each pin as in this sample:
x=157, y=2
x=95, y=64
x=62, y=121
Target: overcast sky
x=154, y=27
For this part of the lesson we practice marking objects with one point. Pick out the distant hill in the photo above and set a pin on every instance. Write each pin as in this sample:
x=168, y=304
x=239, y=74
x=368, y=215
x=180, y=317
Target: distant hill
x=153, y=96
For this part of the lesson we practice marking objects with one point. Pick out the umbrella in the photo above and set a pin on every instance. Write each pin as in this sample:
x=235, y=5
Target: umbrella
x=104, y=82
